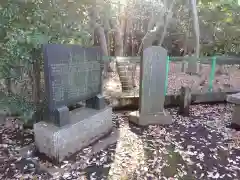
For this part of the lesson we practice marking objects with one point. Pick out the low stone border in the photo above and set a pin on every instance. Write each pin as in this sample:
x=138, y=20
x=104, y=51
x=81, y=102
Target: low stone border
x=132, y=102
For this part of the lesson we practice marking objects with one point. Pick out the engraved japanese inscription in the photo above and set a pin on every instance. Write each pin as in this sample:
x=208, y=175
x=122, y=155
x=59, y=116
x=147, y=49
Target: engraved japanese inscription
x=72, y=74
x=153, y=80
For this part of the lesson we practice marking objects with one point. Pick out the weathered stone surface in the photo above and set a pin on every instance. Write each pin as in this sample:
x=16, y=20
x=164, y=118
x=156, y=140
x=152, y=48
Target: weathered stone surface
x=62, y=116
x=86, y=126
x=73, y=77
x=185, y=101
x=152, y=88
x=72, y=73
x=153, y=80
x=97, y=147
x=96, y=102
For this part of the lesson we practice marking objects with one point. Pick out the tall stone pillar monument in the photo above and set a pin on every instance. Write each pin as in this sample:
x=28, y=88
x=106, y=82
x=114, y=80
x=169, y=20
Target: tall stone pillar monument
x=151, y=95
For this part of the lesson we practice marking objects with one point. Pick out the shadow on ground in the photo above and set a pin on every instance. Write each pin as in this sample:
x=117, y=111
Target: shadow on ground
x=187, y=151
x=100, y=166
x=154, y=154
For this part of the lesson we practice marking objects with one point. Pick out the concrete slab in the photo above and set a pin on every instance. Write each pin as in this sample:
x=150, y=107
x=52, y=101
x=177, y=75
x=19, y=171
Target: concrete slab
x=86, y=126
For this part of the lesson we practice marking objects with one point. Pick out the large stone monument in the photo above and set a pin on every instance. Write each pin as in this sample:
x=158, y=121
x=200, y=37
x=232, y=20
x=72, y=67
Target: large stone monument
x=73, y=74
x=152, y=85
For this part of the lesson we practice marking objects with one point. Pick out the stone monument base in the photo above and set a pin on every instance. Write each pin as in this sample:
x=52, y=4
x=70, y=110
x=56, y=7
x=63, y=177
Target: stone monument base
x=86, y=126
x=235, y=99
x=162, y=118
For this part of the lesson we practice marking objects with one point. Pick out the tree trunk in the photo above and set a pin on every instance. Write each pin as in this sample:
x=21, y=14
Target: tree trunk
x=126, y=37
x=102, y=39
x=36, y=84
x=169, y=16
x=99, y=32
x=132, y=44
x=124, y=69
x=118, y=42
x=196, y=26
x=187, y=35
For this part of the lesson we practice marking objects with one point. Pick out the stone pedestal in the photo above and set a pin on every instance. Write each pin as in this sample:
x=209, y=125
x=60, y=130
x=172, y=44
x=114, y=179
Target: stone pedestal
x=86, y=126
x=162, y=118
x=97, y=102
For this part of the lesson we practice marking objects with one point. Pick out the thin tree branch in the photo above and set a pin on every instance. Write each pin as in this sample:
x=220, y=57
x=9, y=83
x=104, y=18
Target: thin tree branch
x=196, y=26
x=169, y=16
x=152, y=32
x=98, y=29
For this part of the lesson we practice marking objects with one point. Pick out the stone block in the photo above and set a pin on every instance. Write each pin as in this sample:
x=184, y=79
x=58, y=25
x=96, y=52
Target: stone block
x=185, y=101
x=236, y=115
x=234, y=98
x=62, y=116
x=86, y=126
x=152, y=89
x=72, y=74
x=97, y=102
x=162, y=118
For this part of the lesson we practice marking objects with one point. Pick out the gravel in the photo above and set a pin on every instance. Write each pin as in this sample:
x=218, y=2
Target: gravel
x=195, y=147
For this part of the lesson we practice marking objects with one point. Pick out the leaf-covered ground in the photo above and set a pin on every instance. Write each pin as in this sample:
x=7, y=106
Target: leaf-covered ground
x=199, y=147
